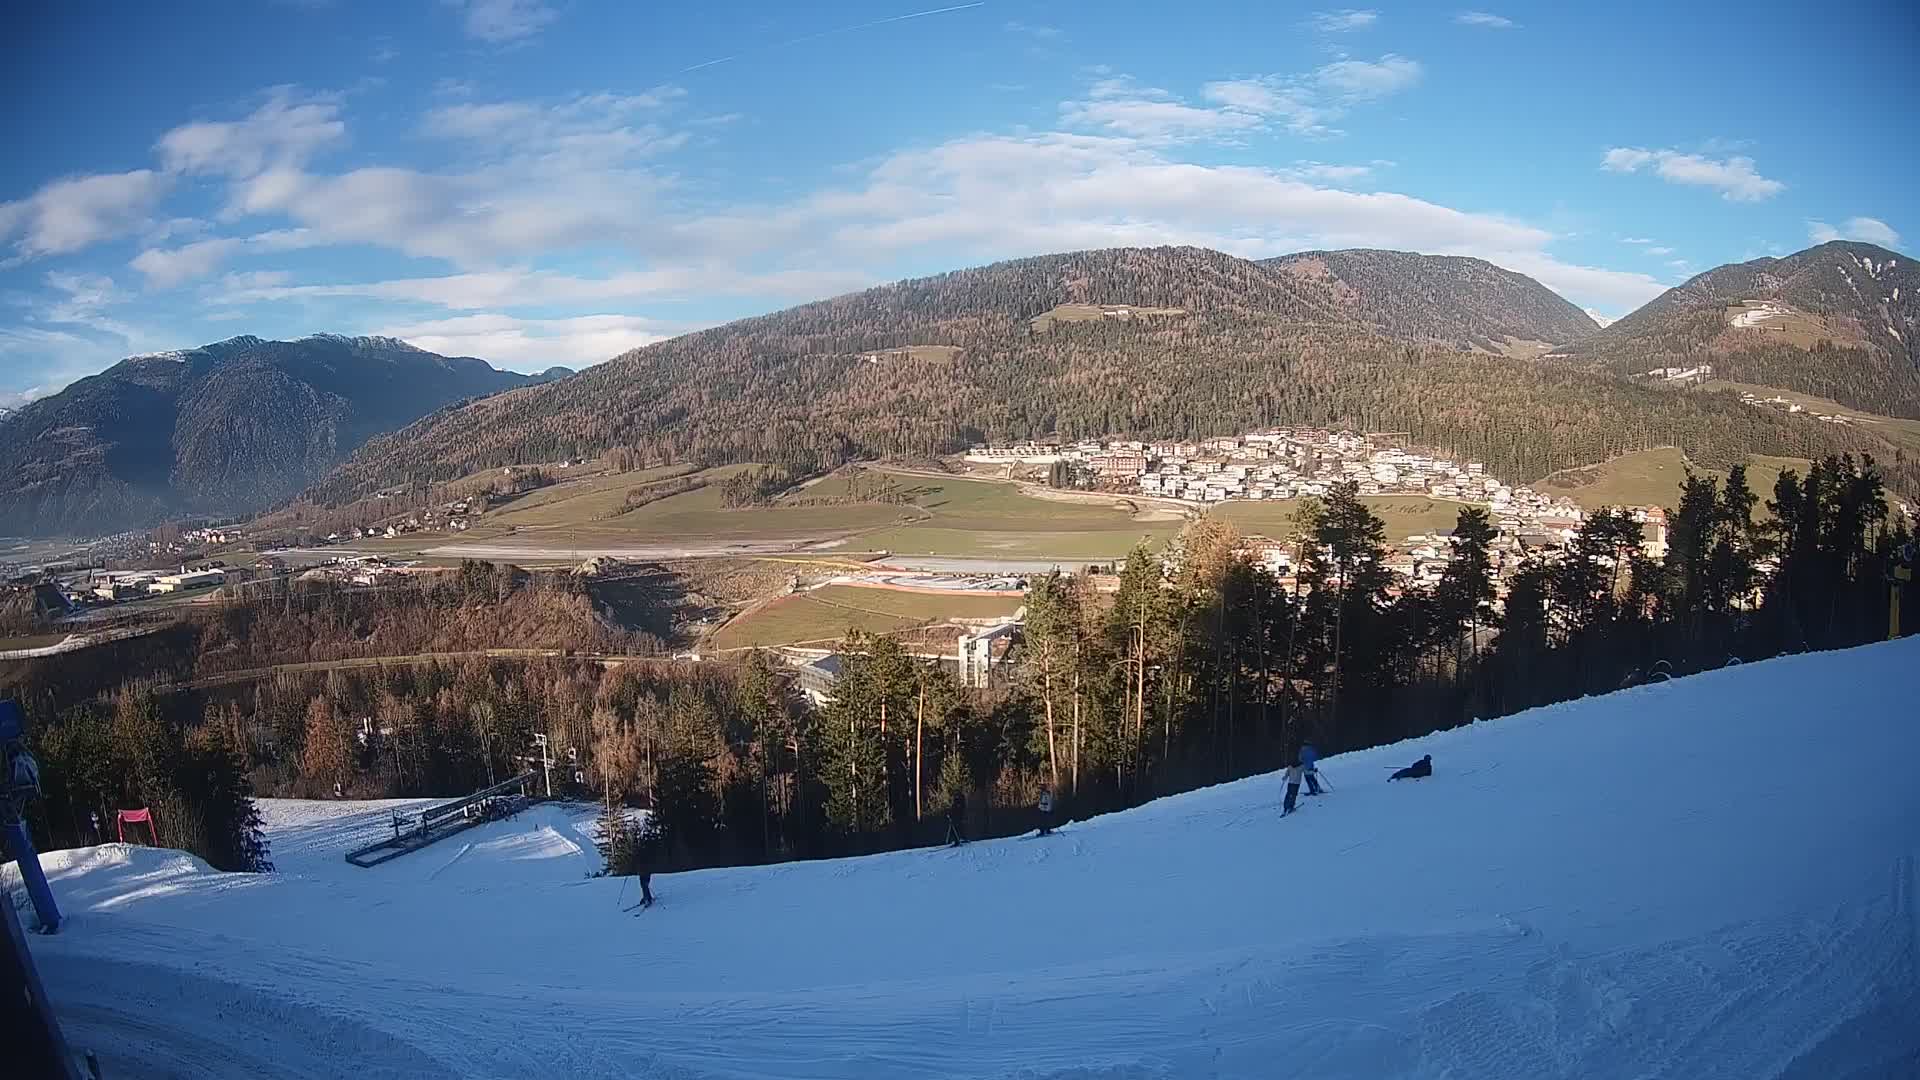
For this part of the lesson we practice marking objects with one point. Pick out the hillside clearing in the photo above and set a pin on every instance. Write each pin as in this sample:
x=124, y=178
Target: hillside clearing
x=1403, y=515
x=828, y=612
x=1653, y=478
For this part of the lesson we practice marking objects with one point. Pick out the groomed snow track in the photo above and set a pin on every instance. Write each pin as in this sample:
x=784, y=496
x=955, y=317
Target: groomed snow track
x=1710, y=877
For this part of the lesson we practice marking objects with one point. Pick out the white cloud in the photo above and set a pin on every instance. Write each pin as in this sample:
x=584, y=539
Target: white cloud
x=1619, y=290
x=586, y=132
x=1658, y=250
x=1155, y=119
x=1635, y=240
x=1485, y=20
x=13, y=399
x=283, y=133
x=521, y=288
x=1625, y=159
x=1865, y=229
x=167, y=267
x=84, y=297
x=491, y=213
x=68, y=215
x=500, y=22
x=1125, y=86
x=1734, y=177
x=1331, y=174
x=535, y=344
x=1045, y=33
x=533, y=178
x=1364, y=80
x=1292, y=106
x=1335, y=22
x=1309, y=104
x=1000, y=196
x=70, y=331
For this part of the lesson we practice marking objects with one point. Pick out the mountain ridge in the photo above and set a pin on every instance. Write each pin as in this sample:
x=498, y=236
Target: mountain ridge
x=1838, y=320
x=1417, y=296
x=224, y=428
x=1160, y=342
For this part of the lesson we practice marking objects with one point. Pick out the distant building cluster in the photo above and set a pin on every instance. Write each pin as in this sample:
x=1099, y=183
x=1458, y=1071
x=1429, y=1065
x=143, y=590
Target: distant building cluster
x=355, y=570
x=95, y=587
x=1781, y=404
x=199, y=539
x=1289, y=463
x=1694, y=374
x=449, y=517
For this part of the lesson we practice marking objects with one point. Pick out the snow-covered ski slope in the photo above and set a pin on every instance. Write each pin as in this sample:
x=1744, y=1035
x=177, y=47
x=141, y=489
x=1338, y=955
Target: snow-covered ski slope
x=1713, y=877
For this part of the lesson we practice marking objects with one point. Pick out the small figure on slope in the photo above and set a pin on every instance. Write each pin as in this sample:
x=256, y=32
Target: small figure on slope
x=1294, y=773
x=1423, y=767
x=957, y=819
x=646, y=852
x=1310, y=760
x=1046, y=811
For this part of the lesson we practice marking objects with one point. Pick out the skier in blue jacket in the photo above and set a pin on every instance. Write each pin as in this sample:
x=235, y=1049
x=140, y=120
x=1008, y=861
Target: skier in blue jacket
x=1309, y=758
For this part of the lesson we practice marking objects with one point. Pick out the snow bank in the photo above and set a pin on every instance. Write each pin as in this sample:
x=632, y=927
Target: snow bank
x=1756, y=312
x=1708, y=877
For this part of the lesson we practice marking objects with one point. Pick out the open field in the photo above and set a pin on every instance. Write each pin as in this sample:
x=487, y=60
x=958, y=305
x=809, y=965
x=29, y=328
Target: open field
x=584, y=516
x=990, y=518
x=945, y=516
x=828, y=612
x=1404, y=515
x=922, y=606
x=1652, y=478
x=1895, y=429
x=1071, y=313
x=579, y=502
x=792, y=620
x=1761, y=322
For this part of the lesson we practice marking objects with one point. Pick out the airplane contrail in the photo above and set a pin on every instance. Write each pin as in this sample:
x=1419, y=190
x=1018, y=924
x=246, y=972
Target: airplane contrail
x=838, y=30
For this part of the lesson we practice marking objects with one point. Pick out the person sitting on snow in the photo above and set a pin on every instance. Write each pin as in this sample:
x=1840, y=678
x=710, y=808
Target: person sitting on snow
x=1423, y=767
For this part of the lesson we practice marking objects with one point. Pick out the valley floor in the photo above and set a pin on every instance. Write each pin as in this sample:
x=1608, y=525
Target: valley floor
x=1713, y=877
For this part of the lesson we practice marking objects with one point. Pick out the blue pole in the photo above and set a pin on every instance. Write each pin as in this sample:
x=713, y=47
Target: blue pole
x=20, y=842
x=22, y=783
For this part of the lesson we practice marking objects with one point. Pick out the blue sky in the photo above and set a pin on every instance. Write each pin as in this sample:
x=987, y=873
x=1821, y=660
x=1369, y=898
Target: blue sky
x=555, y=181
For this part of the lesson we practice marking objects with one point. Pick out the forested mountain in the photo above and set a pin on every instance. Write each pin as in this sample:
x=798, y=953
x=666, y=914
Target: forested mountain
x=1236, y=344
x=1443, y=299
x=1837, y=320
x=226, y=428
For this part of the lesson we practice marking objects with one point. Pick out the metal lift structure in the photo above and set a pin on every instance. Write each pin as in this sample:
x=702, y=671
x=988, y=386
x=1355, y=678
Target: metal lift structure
x=411, y=832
